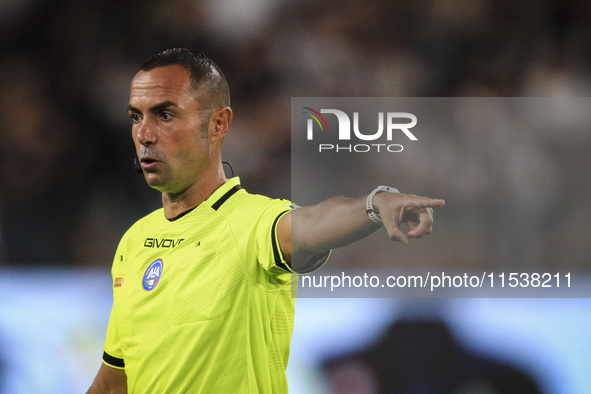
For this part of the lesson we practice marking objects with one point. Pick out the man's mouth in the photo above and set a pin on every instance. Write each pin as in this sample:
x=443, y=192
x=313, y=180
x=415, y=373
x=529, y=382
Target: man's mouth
x=148, y=163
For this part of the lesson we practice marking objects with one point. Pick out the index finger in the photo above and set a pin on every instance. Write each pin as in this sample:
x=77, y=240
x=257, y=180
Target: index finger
x=426, y=202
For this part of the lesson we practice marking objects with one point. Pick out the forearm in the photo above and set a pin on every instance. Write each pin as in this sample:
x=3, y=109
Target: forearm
x=331, y=224
x=109, y=380
x=340, y=221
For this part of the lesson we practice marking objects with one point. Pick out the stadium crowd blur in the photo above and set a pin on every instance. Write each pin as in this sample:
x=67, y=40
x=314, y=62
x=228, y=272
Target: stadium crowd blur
x=68, y=190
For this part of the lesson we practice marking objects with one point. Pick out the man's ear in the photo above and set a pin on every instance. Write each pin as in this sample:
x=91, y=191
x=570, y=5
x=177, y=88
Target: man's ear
x=220, y=123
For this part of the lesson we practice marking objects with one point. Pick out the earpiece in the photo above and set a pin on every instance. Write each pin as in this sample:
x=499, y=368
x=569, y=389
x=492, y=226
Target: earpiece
x=231, y=169
x=136, y=165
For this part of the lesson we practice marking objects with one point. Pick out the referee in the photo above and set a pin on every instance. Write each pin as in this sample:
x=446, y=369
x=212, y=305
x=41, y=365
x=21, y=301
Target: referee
x=202, y=286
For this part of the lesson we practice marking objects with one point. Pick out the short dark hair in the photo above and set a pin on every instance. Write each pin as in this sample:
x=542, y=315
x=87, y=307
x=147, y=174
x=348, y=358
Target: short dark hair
x=205, y=74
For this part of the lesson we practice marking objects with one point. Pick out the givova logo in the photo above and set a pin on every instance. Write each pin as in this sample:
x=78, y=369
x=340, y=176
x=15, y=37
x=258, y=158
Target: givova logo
x=394, y=122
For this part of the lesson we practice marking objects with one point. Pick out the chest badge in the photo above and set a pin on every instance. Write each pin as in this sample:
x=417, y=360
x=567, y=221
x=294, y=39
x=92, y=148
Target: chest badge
x=152, y=275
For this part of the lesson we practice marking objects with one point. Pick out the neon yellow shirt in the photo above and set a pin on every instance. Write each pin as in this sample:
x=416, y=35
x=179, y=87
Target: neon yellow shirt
x=203, y=303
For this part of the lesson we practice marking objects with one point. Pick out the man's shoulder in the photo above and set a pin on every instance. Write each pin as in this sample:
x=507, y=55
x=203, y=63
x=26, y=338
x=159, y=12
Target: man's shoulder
x=250, y=204
x=232, y=197
x=154, y=216
x=150, y=220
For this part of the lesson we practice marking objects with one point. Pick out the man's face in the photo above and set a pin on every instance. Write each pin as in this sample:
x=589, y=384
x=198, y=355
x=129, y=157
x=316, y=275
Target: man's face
x=169, y=129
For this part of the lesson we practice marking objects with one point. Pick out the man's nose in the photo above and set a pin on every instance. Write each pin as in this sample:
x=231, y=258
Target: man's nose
x=145, y=133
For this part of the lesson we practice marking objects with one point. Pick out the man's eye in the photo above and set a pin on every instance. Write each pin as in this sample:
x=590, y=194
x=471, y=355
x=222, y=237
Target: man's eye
x=166, y=115
x=135, y=117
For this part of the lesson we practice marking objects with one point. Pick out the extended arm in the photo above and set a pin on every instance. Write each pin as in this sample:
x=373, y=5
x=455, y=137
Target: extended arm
x=340, y=221
x=109, y=381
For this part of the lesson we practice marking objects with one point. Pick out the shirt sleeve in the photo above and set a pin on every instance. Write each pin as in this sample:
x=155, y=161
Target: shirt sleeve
x=113, y=356
x=270, y=254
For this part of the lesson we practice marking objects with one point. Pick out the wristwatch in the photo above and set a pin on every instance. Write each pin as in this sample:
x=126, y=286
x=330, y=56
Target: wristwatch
x=371, y=212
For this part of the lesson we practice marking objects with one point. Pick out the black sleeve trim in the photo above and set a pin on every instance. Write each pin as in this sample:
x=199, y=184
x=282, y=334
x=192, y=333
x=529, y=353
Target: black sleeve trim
x=114, y=361
x=225, y=197
x=316, y=261
x=276, y=253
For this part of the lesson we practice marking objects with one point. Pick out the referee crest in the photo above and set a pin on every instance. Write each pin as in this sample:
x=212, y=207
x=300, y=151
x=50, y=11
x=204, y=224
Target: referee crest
x=152, y=275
